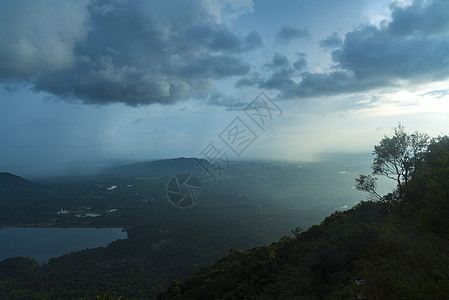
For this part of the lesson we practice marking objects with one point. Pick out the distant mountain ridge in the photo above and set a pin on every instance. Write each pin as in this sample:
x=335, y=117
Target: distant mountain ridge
x=13, y=185
x=166, y=167
x=21, y=201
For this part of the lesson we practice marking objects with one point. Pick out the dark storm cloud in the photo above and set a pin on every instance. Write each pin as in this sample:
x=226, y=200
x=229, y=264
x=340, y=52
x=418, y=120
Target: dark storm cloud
x=373, y=53
x=37, y=38
x=281, y=67
x=252, y=40
x=215, y=67
x=278, y=61
x=332, y=41
x=279, y=80
x=427, y=17
x=300, y=64
x=323, y=84
x=221, y=39
x=248, y=80
x=287, y=34
x=135, y=52
x=414, y=47
x=230, y=102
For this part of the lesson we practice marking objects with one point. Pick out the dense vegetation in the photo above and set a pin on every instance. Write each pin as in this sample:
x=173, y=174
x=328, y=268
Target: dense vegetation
x=22, y=201
x=389, y=247
x=393, y=248
x=242, y=209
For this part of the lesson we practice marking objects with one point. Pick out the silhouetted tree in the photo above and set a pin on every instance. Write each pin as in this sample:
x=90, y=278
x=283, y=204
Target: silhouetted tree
x=400, y=156
x=367, y=183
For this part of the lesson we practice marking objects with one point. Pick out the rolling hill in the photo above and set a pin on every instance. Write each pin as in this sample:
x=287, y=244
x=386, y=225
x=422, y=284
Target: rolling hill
x=163, y=167
x=21, y=200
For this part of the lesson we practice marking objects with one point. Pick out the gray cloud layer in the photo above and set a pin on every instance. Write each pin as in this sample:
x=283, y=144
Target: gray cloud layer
x=142, y=52
x=332, y=41
x=135, y=52
x=414, y=47
x=287, y=34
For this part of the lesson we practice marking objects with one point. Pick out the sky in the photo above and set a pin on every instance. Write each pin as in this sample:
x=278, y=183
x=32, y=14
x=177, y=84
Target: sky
x=84, y=81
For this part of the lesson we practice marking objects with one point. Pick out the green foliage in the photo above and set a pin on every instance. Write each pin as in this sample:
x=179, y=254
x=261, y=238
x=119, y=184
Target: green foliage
x=109, y=297
x=386, y=249
x=368, y=184
x=393, y=248
x=432, y=186
x=297, y=232
x=400, y=156
x=134, y=267
x=22, y=201
x=405, y=263
x=316, y=264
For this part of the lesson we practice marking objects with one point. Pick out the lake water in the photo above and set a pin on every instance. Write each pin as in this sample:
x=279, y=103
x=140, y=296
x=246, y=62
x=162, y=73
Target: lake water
x=43, y=243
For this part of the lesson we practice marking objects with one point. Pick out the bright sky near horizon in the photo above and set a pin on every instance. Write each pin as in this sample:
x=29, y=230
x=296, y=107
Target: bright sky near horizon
x=117, y=79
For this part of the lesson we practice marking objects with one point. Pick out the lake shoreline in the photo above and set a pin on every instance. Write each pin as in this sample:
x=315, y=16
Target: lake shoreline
x=42, y=243
x=124, y=228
